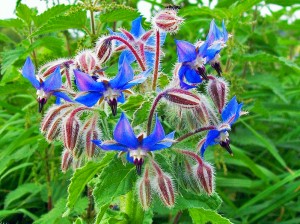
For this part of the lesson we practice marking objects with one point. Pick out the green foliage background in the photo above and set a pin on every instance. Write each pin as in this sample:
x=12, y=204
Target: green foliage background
x=260, y=184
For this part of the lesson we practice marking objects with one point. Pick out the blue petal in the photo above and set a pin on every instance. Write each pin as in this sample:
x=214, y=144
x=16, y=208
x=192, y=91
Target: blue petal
x=124, y=75
x=114, y=146
x=186, y=51
x=129, y=158
x=53, y=82
x=149, y=57
x=85, y=82
x=136, y=28
x=124, y=134
x=212, y=32
x=151, y=40
x=129, y=56
x=230, y=110
x=212, y=51
x=237, y=114
x=162, y=144
x=142, y=77
x=181, y=74
x=225, y=34
x=192, y=76
x=89, y=99
x=57, y=101
x=63, y=96
x=156, y=136
x=210, y=140
x=121, y=98
x=28, y=73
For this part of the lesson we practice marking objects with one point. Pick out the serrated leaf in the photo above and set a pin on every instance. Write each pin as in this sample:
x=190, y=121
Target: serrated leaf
x=51, y=13
x=115, y=12
x=75, y=20
x=141, y=114
x=82, y=176
x=116, y=179
x=24, y=13
x=201, y=215
x=132, y=103
x=12, y=23
x=52, y=43
x=10, y=57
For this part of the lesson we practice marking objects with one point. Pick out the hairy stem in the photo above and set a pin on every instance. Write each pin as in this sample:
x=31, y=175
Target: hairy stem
x=154, y=105
x=193, y=133
x=131, y=48
x=92, y=22
x=48, y=176
x=157, y=59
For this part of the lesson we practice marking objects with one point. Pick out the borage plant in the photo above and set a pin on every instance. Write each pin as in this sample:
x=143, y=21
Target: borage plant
x=166, y=169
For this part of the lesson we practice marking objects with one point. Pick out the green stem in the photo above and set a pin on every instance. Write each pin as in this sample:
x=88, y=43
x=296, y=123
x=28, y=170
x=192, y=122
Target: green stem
x=132, y=208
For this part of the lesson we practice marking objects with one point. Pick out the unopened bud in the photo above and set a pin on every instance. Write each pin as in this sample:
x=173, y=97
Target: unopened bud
x=204, y=173
x=48, y=68
x=182, y=98
x=202, y=111
x=167, y=20
x=71, y=127
x=218, y=91
x=87, y=61
x=144, y=190
x=163, y=185
x=76, y=163
x=104, y=49
x=90, y=132
x=66, y=160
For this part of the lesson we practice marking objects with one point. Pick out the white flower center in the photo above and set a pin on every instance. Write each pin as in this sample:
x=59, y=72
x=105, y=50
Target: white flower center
x=223, y=136
x=137, y=153
x=111, y=94
x=41, y=94
x=197, y=63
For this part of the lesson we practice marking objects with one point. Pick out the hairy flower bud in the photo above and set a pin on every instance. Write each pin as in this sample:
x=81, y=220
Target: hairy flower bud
x=144, y=190
x=90, y=132
x=51, y=123
x=204, y=173
x=182, y=98
x=163, y=185
x=48, y=68
x=167, y=20
x=71, y=128
x=66, y=160
x=87, y=61
x=218, y=91
x=104, y=49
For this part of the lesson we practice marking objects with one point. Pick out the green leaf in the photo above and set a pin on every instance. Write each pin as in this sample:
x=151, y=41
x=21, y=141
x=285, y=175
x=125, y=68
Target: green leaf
x=82, y=176
x=269, y=145
x=24, y=13
x=28, y=188
x=243, y=6
x=10, y=57
x=283, y=3
x=116, y=179
x=132, y=103
x=140, y=115
x=114, y=12
x=50, y=13
x=218, y=14
x=7, y=213
x=201, y=215
x=74, y=20
x=12, y=23
x=52, y=43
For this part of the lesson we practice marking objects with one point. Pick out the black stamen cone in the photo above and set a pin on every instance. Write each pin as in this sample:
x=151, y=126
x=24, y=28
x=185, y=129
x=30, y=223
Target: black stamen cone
x=113, y=105
x=203, y=73
x=138, y=164
x=42, y=102
x=226, y=145
x=217, y=67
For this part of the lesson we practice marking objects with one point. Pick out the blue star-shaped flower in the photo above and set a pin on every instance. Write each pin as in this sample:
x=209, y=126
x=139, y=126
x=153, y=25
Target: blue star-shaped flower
x=45, y=88
x=193, y=61
x=111, y=91
x=136, y=147
x=142, y=41
x=216, y=36
x=229, y=115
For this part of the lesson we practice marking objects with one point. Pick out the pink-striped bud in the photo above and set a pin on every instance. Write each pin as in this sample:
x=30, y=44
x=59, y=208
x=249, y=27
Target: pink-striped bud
x=51, y=123
x=203, y=111
x=163, y=185
x=48, y=68
x=90, y=132
x=218, y=91
x=87, y=61
x=144, y=190
x=167, y=21
x=204, y=173
x=104, y=49
x=66, y=160
x=182, y=98
x=71, y=126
